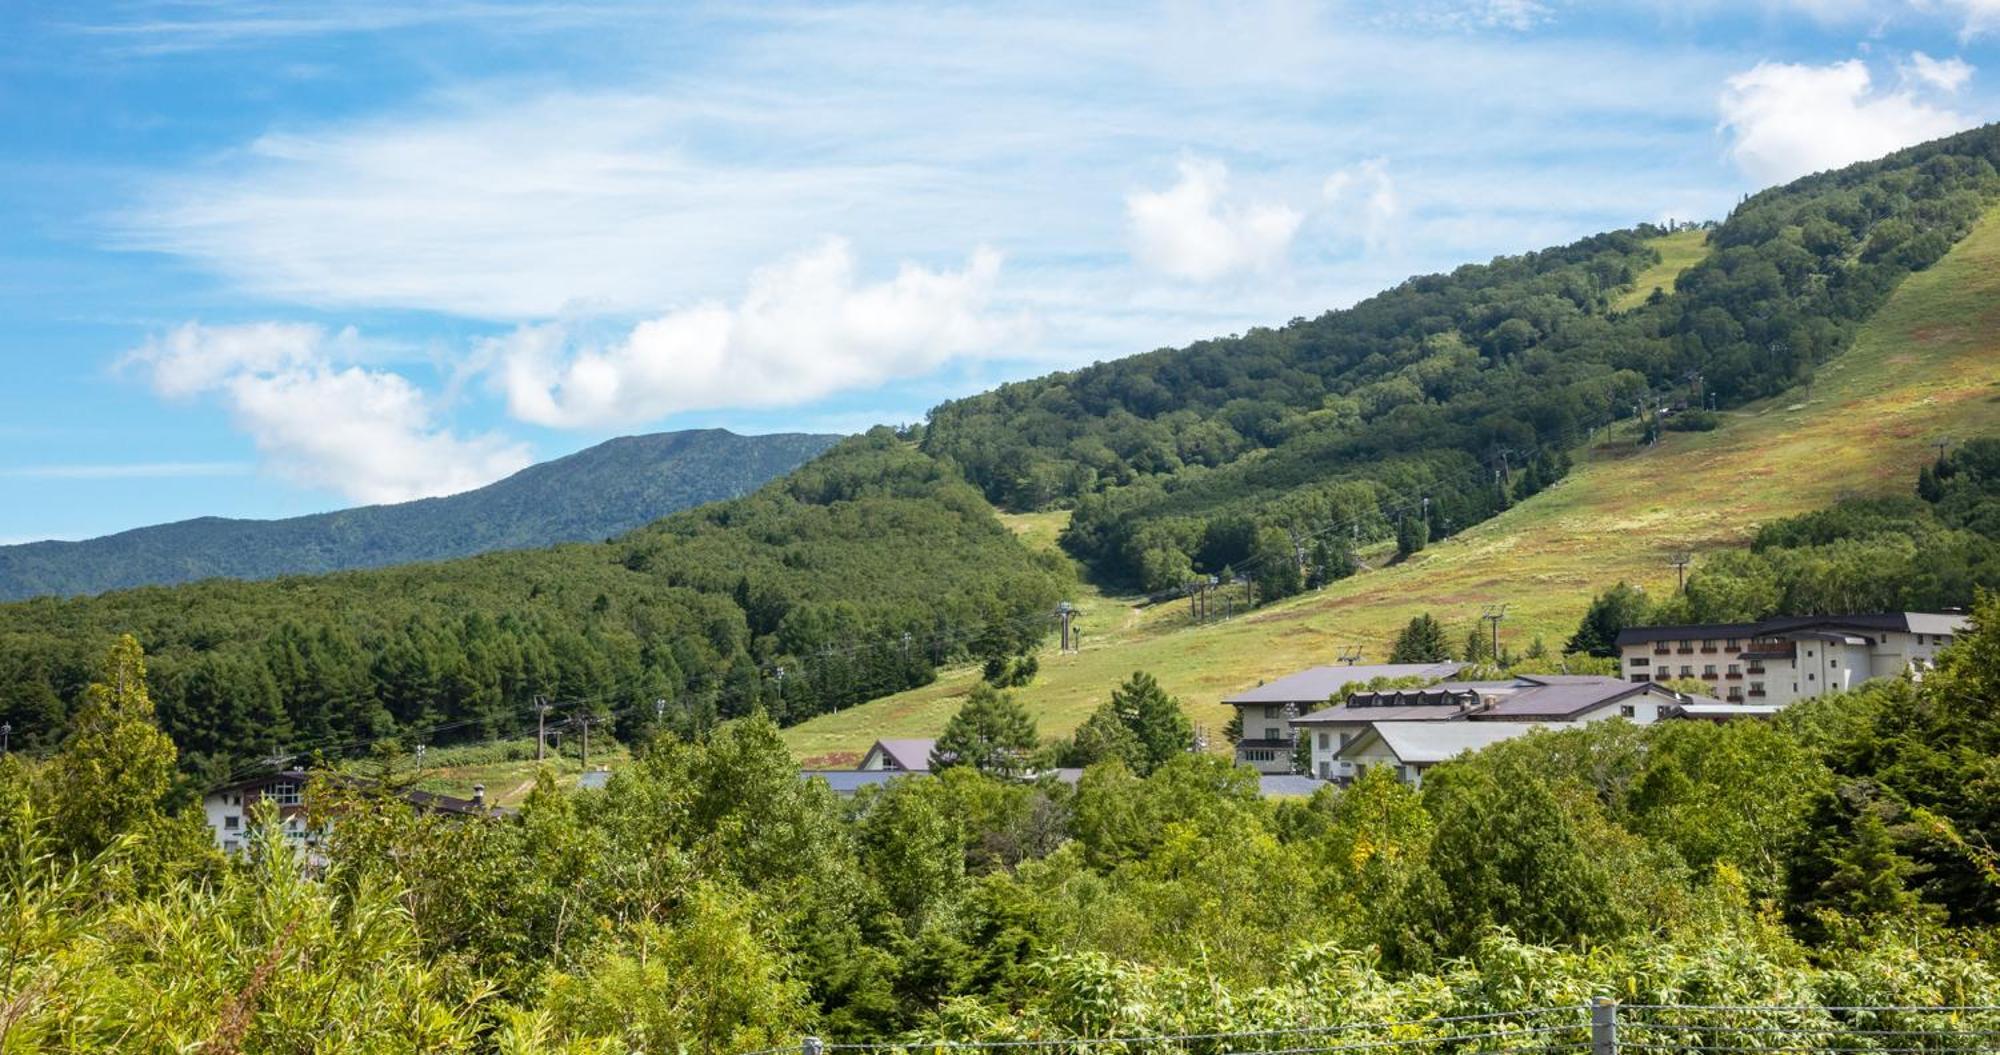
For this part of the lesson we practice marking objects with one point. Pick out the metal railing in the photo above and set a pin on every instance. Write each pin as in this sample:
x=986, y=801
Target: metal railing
x=1603, y=1027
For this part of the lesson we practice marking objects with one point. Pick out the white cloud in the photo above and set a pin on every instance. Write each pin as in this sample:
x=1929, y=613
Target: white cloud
x=1193, y=230
x=368, y=434
x=1785, y=120
x=1975, y=17
x=805, y=327
x=1369, y=191
x=1946, y=75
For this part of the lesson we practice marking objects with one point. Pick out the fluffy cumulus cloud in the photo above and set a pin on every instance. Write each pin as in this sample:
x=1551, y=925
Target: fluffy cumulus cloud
x=806, y=327
x=320, y=421
x=1785, y=120
x=1195, y=230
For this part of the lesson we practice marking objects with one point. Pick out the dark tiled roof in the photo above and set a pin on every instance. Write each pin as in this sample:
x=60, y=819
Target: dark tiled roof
x=1904, y=622
x=1317, y=685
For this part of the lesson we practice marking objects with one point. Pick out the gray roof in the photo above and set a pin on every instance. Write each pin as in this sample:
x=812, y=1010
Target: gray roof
x=1422, y=743
x=1905, y=622
x=1563, y=696
x=1285, y=785
x=911, y=754
x=594, y=779
x=1714, y=711
x=1318, y=684
x=1342, y=714
x=849, y=781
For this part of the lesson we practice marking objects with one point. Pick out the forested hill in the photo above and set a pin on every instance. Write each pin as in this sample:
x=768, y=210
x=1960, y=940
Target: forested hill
x=850, y=578
x=593, y=494
x=1450, y=396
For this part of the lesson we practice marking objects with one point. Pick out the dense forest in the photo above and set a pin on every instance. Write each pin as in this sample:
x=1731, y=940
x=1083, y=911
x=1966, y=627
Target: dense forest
x=605, y=490
x=711, y=901
x=1450, y=396
x=852, y=577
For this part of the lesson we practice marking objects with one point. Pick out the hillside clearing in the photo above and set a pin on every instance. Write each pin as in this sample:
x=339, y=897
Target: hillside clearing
x=1927, y=364
x=1678, y=252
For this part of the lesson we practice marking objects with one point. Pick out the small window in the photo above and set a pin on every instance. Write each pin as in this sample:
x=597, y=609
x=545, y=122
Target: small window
x=1626, y=710
x=1687, y=671
x=285, y=794
x=1809, y=677
x=1270, y=711
x=232, y=822
x=1323, y=738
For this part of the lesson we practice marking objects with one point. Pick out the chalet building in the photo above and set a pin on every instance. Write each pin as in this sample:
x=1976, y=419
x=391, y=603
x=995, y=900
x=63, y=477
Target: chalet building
x=907, y=756
x=1524, y=699
x=1269, y=710
x=1781, y=661
x=228, y=807
x=1411, y=747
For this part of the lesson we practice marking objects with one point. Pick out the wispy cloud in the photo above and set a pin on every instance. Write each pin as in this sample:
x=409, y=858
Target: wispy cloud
x=124, y=470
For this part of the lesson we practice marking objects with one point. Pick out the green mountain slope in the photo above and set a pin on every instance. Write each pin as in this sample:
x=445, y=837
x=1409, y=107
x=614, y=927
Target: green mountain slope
x=746, y=603
x=1923, y=367
x=595, y=493
x=1450, y=397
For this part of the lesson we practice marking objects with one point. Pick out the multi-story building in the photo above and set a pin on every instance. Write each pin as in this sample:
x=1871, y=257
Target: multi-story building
x=1268, y=710
x=1529, y=699
x=1780, y=661
x=228, y=807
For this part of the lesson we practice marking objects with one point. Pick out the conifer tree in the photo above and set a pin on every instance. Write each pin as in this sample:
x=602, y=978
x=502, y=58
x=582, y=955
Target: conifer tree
x=1155, y=719
x=1422, y=641
x=991, y=732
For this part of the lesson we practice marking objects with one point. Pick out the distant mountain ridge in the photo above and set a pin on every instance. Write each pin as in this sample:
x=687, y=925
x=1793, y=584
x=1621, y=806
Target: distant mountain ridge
x=604, y=490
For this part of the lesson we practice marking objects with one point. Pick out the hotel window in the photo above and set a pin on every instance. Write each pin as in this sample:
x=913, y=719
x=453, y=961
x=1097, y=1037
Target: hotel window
x=1708, y=670
x=1322, y=741
x=232, y=822
x=1687, y=671
x=285, y=794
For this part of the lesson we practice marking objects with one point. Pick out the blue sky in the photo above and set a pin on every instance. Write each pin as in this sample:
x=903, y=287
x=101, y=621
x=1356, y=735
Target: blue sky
x=266, y=258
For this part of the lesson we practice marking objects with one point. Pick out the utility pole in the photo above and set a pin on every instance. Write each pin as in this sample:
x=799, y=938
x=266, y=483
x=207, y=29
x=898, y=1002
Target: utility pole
x=541, y=728
x=1349, y=654
x=583, y=722
x=1680, y=560
x=1941, y=443
x=1493, y=614
x=1066, y=615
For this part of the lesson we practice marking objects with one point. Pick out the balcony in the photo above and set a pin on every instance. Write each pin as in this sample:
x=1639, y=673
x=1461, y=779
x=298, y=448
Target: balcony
x=1709, y=650
x=1732, y=648
x=1733, y=676
x=1660, y=650
x=1755, y=670
x=1757, y=693
x=1708, y=676
x=1685, y=651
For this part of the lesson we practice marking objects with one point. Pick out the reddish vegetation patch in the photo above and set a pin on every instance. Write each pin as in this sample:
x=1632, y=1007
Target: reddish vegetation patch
x=832, y=760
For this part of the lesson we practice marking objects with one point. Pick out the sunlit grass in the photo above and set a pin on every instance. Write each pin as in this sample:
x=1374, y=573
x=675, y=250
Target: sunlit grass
x=1678, y=252
x=1927, y=365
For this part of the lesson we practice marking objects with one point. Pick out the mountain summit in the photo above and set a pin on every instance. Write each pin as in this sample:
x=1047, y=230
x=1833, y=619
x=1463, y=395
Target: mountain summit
x=604, y=490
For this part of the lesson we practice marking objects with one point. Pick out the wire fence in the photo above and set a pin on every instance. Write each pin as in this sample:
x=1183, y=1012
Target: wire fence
x=1604, y=1027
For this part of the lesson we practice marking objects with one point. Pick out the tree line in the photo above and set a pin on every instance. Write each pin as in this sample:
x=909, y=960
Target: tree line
x=854, y=577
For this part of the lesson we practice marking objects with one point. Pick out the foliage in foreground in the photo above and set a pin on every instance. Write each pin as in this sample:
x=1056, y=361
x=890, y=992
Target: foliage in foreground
x=710, y=901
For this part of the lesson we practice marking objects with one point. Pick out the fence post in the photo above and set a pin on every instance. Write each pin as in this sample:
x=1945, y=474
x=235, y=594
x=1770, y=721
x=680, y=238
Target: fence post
x=812, y=1046
x=1604, y=1026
